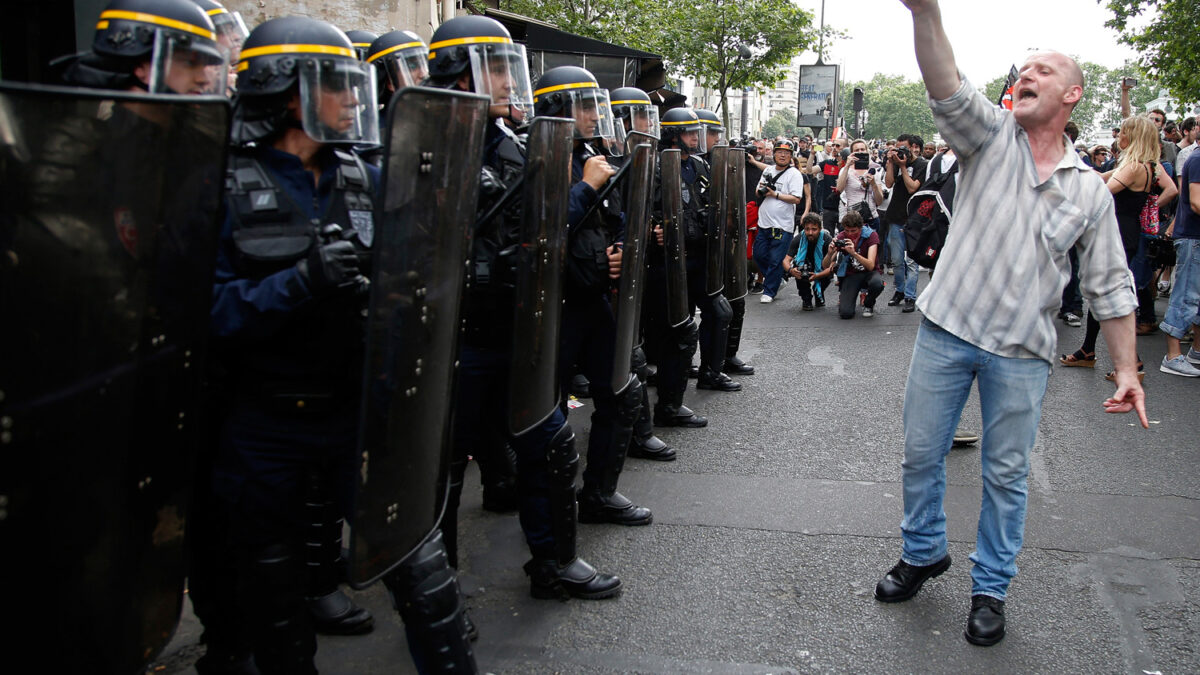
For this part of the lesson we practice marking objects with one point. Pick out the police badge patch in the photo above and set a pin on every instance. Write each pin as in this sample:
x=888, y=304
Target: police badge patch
x=364, y=226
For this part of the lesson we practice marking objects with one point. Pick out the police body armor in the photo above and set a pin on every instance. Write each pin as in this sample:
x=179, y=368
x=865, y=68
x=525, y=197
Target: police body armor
x=533, y=382
x=627, y=305
x=422, y=244
x=674, y=238
x=714, y=250
x=736, y=238
x=107, y=247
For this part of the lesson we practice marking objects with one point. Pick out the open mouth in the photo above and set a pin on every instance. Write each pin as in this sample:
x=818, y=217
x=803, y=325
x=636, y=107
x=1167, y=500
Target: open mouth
x=1027, y=95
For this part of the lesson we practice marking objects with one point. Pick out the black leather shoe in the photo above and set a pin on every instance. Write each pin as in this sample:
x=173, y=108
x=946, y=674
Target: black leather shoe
x=897, y=298
x=653, y=448
x=336, y=614
x=717, y=382
x=615, y=508
x=735, y=366
x=985, y=624
x=693, y=372
x=580, y=387
x=683, y=417
x=577, y=579
x=910, y=306
x=904, y=580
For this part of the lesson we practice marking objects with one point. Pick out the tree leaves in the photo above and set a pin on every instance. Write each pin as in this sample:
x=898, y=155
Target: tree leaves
x=1168, y=48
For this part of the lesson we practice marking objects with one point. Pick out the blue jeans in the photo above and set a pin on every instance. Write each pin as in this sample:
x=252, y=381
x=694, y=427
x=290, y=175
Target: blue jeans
x=770, y=247
x=905, y=280
x=1184, y=307
x=1010, y=393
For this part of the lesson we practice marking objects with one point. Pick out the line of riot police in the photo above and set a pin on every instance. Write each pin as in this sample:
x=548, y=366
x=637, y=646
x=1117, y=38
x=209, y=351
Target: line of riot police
x=243, y=326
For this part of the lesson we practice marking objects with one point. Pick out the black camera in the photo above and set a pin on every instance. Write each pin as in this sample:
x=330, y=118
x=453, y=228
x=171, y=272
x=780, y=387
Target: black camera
x=803, y=153
x=862, y=160
x=840, y=244
x=903, y=154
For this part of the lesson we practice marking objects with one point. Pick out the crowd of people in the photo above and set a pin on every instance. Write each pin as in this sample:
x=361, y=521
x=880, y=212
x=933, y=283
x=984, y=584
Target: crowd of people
x=296, y=247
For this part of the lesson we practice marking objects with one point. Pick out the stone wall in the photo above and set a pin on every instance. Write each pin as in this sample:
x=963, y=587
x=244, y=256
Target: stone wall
x=377, y=16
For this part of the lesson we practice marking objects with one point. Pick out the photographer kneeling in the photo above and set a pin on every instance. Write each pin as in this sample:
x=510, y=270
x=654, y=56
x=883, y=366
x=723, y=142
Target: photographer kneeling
x=855, y=248
x=805, y=256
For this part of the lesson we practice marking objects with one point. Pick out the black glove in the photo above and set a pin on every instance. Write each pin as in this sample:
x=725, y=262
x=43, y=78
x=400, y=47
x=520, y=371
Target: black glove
x=490, y=183
x=329, y=266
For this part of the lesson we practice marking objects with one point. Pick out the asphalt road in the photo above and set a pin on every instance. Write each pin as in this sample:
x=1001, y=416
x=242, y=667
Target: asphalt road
x=773, y=526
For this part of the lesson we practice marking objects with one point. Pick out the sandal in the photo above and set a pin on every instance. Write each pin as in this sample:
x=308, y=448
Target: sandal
x=1080, y=359
x=1141, y=373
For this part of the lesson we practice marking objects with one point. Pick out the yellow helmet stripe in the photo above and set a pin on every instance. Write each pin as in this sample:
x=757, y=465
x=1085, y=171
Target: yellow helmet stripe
x=361, y=44
x=156, y=20
x=679, y=124
x=560, y=87
x=218, y=10
x=633, y=102
x=295, y=49
x=389, y=50
x=482, y=39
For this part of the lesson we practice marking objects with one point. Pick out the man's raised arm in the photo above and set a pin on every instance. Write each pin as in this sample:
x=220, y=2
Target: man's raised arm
x=934, y=55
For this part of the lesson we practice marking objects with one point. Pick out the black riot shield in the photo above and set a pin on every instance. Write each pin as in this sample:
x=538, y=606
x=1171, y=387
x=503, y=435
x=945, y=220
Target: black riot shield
x=627, y=306
x=736, y=281
x=671, y=188
x=714, y=270
x=431, y=171
x=111, y=207
x=533, y=381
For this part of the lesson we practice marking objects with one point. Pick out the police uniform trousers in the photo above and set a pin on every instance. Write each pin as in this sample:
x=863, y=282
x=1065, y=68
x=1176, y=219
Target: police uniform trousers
x=715, y=315
x=670, y=349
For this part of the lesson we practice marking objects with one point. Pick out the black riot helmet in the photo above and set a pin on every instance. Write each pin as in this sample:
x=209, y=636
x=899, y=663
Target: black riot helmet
x=481, y=47
x=230, y=28
x=163, y=46
x=361, y=41
x=571, y=91
x=635, y=110
x=714, y=128
x=681, y=128
x=297, y=56
x=400, y=59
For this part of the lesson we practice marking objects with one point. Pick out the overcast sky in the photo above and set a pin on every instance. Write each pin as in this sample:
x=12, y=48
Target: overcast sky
x=987, y=36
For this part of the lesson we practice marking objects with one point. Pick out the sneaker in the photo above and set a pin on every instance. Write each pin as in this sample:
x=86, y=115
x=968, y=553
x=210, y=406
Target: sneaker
x=766, y=298
x=1072, y=319
x=1193, y=356
x=756, y=288
x=807, y=306
x=1179, y=366
x=868, y=312
x=1164, y=288
x=910, y=305
x=820, y=302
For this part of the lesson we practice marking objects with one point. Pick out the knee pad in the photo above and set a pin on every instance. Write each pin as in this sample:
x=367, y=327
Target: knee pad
x=722, y=310
x=421, y=564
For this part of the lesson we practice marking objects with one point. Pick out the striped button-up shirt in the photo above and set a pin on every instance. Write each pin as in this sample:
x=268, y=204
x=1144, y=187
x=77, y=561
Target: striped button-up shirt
x=1001, y=274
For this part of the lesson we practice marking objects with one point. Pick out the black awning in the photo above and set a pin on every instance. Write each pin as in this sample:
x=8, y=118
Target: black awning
x=541, y=36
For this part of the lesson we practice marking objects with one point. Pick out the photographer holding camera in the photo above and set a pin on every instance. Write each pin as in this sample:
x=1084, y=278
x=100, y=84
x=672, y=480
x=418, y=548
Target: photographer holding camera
x=905, y=173
x=854, y=249
x=859, y=183
x=805, y=257
x=780, y=190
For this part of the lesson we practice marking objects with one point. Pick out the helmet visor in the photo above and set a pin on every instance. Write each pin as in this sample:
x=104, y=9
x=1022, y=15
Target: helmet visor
x=231, y=33
x=501, y=71
x=592, y=113
x=404, y=67
x=337, y=101
x=187, y=64
x=691, y=135
x=643, y=118
x=714, y=135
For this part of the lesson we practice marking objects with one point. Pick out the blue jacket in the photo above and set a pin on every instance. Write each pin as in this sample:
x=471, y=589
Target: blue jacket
x=845, y=260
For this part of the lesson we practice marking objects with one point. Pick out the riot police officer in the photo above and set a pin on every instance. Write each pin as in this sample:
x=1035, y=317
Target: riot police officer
x=287, y=321
x=593, y=261
x=361, y=39
x=635, y=114
x=475, y=53
x=716, y=311
x=158, y=46
x=231, y=33
x=401, y=59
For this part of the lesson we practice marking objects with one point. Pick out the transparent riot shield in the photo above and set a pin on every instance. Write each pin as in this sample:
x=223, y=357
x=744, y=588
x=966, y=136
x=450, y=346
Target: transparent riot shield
x=736, y=274
x=111, y=207
x=533, y=383
x=672, y=210
x=714, y=270
x=431, y=169
x=627, y=306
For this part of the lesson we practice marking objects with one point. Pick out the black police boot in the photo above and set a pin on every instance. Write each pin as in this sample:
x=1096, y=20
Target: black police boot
x=667, y=415
x=717, y=381
x=693, y=372
x=597, y=507
x=332, y=611
x=645, y=445
x=576, y=579
x=580, y=387
x=599, y=502
x=735, y=366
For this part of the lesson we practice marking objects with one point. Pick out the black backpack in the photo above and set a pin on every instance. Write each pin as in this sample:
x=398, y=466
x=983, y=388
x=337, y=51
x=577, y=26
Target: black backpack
x=929, y=211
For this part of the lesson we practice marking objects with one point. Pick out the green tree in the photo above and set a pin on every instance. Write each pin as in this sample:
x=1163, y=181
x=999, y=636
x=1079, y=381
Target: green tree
x=723, y=44
x=894, y=106
x=783, y=123
x=1167, y=45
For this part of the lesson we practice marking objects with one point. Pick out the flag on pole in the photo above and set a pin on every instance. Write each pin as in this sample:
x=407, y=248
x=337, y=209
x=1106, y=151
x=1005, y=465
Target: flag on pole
x=1006, y=100
x=839, y=132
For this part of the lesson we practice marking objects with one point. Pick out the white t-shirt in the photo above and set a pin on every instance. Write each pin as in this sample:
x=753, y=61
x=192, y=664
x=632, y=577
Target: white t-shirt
x=777, y=213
